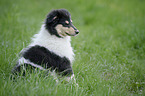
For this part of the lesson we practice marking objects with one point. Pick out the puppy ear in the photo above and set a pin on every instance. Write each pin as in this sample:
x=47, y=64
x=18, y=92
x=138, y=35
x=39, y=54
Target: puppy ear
x=50, y=19
x=54, y=18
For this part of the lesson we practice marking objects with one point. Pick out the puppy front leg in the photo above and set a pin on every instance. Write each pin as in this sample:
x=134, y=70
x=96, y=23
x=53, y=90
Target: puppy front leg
x=71, y=79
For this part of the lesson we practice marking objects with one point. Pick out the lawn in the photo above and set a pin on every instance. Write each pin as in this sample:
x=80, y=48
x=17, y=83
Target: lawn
x=110, y=49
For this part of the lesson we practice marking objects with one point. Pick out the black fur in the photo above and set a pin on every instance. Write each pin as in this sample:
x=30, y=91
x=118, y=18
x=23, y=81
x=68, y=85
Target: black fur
x=42, y=56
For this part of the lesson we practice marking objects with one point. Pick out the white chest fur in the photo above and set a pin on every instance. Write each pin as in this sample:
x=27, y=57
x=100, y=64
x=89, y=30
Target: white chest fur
x=60, y=46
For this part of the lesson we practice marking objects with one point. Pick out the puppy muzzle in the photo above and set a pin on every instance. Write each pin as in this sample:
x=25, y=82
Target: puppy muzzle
x=75, y=29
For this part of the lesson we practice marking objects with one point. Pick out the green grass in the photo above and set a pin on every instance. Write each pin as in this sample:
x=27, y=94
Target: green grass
x=110, y=49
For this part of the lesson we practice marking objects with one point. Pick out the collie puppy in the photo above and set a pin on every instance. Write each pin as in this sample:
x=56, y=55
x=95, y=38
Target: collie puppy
x=51, y=47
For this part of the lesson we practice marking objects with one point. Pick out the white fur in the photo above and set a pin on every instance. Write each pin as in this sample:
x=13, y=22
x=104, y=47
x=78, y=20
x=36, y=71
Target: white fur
x=60, y=46
x=70, y=78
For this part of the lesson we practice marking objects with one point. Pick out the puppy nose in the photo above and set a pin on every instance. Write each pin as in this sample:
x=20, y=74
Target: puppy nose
x=77, y=31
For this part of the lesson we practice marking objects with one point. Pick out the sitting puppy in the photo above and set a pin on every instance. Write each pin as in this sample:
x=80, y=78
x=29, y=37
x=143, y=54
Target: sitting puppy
x=51, y=47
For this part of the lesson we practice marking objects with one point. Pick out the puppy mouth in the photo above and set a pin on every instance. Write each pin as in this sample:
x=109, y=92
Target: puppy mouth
x=70, y=34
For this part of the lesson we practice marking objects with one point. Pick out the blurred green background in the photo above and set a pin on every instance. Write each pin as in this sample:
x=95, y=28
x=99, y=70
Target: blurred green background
x=110, y=49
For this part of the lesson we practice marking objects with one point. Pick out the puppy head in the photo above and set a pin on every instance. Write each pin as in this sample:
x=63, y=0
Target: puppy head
x=59, y=23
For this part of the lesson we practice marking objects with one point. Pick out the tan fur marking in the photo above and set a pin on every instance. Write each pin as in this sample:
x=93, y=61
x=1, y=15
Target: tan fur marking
x=66, y=22
x=55, y=17
x=64, y=31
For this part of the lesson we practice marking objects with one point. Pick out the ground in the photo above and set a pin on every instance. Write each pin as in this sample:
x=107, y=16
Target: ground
x=110, y=49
